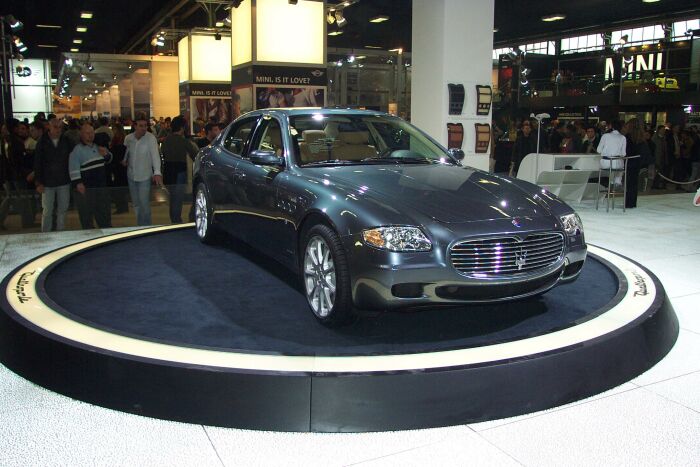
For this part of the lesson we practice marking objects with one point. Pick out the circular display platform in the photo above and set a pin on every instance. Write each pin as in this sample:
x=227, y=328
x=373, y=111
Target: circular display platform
x=155, y=323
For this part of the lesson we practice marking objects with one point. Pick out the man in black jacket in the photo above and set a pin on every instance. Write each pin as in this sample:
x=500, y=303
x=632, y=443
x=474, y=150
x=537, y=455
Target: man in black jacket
x=16, y=177
x=51, y=175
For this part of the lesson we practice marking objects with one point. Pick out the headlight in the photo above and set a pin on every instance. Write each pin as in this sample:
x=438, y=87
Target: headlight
x=397, y=238
x=572, y=224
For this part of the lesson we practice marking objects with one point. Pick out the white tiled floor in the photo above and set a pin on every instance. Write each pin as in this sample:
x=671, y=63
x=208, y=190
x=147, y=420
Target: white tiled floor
x=652, y=420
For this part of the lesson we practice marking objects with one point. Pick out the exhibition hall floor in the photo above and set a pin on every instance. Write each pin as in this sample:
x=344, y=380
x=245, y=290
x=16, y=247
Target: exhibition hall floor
x=652, y=419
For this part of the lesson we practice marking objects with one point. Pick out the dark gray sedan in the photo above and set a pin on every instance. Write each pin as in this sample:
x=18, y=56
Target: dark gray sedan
x=373, y=213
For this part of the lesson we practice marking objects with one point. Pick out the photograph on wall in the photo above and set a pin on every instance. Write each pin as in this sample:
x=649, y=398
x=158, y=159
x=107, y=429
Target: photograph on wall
x=207, y=109
x=242, y=100
x=269, y=97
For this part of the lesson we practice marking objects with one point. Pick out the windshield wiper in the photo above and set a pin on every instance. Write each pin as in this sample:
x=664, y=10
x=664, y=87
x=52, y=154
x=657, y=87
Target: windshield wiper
x=331, y=162
x=399, y=160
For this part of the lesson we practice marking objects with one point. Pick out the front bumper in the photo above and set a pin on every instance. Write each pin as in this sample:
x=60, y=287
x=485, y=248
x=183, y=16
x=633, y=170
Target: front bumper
x=386, y=280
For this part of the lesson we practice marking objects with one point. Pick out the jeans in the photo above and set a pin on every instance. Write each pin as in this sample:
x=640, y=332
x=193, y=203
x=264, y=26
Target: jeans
x=141, y=197
x=177, y=197
x=61, y=196
x=94, y=204
x=17, y=193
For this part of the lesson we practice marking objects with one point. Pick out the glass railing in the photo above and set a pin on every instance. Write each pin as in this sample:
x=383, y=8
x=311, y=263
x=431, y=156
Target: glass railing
x=641, y=82
x=21, y=210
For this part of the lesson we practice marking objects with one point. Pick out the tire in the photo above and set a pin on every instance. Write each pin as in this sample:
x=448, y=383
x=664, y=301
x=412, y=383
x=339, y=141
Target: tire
x=326, y=281
x=203, y=216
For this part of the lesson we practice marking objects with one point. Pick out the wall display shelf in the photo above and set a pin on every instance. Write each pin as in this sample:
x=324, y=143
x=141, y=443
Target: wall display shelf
x=455, y=135
x=484, y=95
x=483, y=137
x=456, y=96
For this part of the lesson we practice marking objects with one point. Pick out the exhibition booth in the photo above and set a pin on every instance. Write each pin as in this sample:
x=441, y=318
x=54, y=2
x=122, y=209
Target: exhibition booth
x=216, y=333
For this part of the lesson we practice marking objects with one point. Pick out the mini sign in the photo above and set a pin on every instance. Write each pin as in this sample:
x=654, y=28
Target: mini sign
x=649, y=62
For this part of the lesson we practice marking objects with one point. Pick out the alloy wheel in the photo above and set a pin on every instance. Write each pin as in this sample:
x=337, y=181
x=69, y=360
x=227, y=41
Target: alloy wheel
x=319, y=276
x=201, y=214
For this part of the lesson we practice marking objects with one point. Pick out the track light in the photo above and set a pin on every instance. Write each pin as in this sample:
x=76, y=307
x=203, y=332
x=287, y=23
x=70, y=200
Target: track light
x=114, y=77
x=90, y=67
x=236, y=3
x=624, y=39
x=227, y=21
x=330, y=18
x=129, y=66
x=14, y=23
x=217, y=36
x=340, y=19
x=69, y=62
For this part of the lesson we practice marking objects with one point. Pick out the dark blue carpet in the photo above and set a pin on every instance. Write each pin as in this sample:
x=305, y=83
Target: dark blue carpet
x=170, y=288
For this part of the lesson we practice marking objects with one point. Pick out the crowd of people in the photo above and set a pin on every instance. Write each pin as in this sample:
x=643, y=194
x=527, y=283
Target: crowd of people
x=669, y=152
x=94, y=162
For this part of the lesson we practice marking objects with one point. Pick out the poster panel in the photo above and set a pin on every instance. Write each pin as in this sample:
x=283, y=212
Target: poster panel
x=242, y=101
x=289, y=96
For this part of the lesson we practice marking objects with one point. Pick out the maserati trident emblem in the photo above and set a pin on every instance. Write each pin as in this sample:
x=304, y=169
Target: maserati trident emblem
x=520, y=258
x=516, y=222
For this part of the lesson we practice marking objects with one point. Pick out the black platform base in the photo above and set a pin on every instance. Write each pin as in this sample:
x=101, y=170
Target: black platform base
x=154, y=323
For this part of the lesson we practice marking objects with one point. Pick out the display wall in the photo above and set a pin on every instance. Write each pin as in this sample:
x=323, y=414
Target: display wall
x=30, y=87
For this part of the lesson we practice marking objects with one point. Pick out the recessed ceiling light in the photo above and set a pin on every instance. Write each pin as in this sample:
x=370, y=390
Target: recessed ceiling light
x=379, y=19
x=47, y=46
x=554, y=17
x=77, y=41
x=51, y=26
x=372, y=47
x=650, y=1
x=335, y=33
x=74, y=50
x=360, y=57
x=81, y=29
x=219, y=24
x=86, y=14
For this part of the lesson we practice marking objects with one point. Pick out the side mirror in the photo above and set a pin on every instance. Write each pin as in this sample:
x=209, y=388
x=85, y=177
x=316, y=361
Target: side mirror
x=456, y=154
x=262, y=157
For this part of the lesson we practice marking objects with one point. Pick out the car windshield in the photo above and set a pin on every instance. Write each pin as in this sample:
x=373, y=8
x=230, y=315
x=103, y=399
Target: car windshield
x=349, y=139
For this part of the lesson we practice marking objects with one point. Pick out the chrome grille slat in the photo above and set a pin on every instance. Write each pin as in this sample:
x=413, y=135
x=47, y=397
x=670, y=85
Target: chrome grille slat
x=494, y=257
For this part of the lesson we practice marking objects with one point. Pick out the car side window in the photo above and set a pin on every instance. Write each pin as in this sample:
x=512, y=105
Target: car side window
x=239, y=135
x=271, y=138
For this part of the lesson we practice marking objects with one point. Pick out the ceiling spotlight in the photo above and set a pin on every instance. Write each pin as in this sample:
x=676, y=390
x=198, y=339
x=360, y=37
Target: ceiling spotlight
x=83, y=77
x=340, y=19
x=236, y=3
x=330, y=18
x=351, y=59
x=15, y=24
x=227, y=21
x=69, y=62
x=22, y=48
x=525, y=72
x=217, y=36
x=554, y=17
x=86, y=14
x=90, y=67
x=129, y=66
x=160, y=41
x=379, y=19
x=74, y=50
x=339, y=63
x=114, y=77
x=81, y=29
x=624, y=39
x=77, y=41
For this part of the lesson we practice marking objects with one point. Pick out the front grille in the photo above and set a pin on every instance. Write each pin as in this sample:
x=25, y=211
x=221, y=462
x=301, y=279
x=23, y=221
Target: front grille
x=494, y=257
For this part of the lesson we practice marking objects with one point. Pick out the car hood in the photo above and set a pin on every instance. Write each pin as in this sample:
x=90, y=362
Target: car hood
x=445, y=193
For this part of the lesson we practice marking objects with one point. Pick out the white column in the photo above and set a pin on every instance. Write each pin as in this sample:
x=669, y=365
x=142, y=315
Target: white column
x=452, y=43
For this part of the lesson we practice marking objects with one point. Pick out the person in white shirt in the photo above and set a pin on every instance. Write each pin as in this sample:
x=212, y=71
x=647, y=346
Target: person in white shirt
x=613, y=144
x=142, y=160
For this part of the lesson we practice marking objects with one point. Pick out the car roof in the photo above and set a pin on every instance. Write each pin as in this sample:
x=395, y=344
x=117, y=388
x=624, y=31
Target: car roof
x=293, y=111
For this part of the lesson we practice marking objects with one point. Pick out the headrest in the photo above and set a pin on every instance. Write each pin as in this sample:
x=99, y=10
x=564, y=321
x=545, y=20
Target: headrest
x=355, y=137
x=312, y=136
x=275, y=136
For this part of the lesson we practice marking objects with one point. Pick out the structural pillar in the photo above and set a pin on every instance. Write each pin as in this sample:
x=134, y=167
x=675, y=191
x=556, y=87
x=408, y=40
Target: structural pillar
x=452, y=44
x=268, y=70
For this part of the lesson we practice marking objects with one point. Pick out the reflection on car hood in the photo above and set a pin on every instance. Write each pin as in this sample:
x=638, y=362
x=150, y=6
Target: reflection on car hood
x=448, y=194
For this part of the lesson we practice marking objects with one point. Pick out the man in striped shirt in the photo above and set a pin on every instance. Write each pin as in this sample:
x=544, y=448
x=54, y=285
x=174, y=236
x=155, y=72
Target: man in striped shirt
x=88, y=174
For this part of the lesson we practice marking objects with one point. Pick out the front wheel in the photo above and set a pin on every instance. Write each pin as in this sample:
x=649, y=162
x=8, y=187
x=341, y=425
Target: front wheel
x=326, y=276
